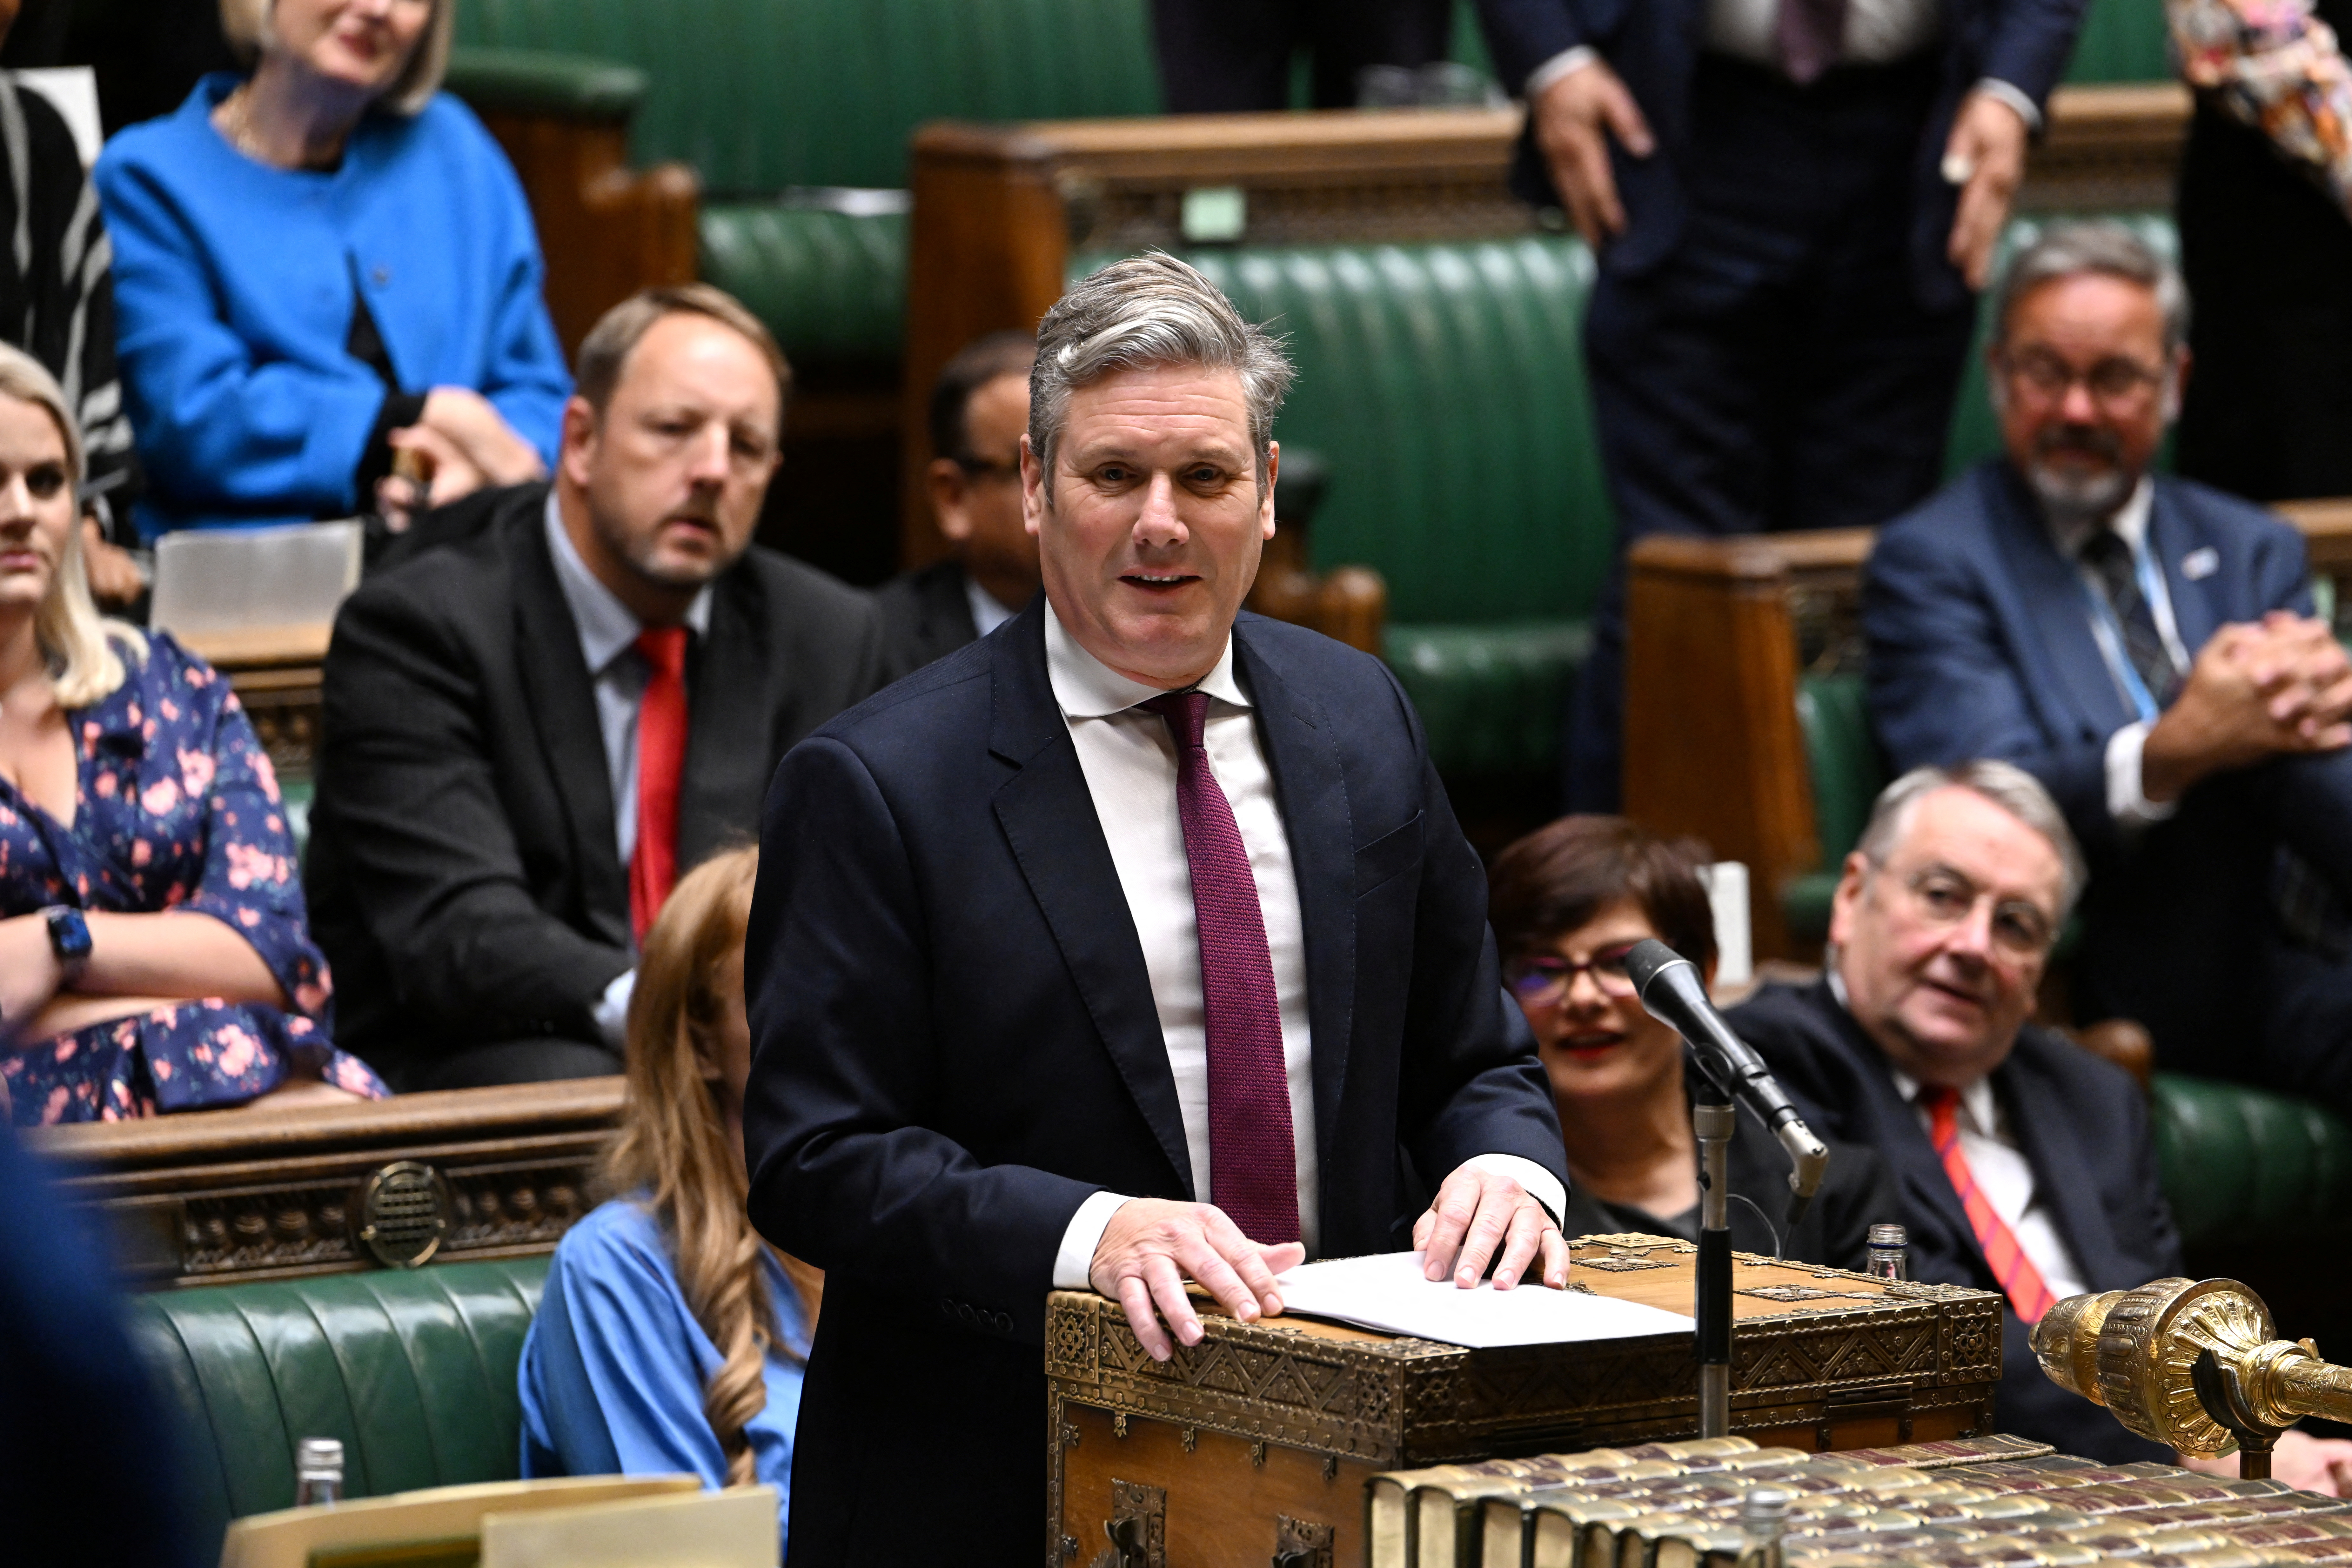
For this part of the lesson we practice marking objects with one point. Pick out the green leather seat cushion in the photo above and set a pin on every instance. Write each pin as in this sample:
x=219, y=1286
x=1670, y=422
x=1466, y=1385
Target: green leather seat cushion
x=830, y=285
x=412, y=1371
x=2244, y=1166
x=1490, y=697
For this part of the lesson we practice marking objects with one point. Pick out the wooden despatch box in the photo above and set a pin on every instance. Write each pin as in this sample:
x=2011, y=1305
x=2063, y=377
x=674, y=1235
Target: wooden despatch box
x=1253, y=1446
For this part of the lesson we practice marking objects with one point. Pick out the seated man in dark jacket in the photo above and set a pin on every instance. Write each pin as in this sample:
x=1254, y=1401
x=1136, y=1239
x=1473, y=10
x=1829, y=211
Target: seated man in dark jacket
x=980, y=406
x=2023, y=1163
x=534, y=726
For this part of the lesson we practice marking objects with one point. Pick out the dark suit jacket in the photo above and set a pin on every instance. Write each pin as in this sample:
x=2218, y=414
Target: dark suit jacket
x=2082, y=1125
x=955, y=1044
x=1835, y=1230
x=925, y=616
x=1655, y=45
x=1981, y=646
x=462, y=871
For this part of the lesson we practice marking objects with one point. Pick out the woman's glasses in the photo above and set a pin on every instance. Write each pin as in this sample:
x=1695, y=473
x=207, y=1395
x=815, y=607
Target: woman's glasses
x=1543, y=979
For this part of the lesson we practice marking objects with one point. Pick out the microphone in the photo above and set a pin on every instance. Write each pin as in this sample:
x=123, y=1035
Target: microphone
x=1674, y=992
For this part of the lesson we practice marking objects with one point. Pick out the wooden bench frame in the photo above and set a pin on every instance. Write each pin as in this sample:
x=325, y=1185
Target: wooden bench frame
x=1714, y=629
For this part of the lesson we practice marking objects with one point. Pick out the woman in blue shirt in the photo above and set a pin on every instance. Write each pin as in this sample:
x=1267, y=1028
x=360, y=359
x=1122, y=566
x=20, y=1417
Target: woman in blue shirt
x=671, y=1338
x=322, y=266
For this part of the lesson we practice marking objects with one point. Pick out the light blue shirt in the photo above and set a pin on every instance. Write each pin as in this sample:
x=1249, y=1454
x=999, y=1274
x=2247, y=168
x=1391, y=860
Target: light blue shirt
x=615, y=1365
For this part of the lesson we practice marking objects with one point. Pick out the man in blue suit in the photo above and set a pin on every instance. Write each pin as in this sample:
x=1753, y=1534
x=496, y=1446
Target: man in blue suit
x=1133, y=942
x=2145, y=647
x=1792, y=202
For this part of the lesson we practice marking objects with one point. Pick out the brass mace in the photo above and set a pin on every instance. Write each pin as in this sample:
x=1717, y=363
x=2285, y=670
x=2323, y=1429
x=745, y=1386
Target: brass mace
x=2194, y=1365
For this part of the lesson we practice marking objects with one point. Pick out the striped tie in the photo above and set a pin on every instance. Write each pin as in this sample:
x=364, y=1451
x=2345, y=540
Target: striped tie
x=2020, y=1280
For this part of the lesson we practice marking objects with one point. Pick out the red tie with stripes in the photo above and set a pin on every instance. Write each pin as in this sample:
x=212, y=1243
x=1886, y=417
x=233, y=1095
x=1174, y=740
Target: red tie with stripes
x=2020, y=1280
x=661, y=758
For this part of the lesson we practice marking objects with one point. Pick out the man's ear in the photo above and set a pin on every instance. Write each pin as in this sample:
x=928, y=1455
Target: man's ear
x=1036, y=496
x=1266, y=502
x=2176, y=385
x=1848, y=897
x=577, y=455
x=949, y=485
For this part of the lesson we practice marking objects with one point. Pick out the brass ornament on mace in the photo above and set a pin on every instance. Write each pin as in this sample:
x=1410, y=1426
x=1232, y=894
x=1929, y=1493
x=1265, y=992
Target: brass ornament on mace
x=2194, y=1365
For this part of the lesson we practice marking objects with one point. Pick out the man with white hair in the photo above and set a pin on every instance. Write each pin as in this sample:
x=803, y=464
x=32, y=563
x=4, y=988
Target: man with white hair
x=1132, y=943
x=2024, y=1162
x=2145, y=647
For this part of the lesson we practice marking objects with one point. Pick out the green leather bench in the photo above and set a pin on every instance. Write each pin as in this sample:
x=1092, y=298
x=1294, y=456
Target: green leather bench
x=414, y=1372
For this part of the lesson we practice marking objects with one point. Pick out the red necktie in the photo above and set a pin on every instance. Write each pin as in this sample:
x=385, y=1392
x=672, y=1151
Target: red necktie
x=1811, y=36
x=661, y=758
x=1252, y=1165
x=2020, y=1280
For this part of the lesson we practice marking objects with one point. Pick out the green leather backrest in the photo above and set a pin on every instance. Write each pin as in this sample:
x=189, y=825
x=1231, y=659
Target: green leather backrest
x=1975, y=434
x=412, y=1370
x=2245, y=1165
x=1444, y=384
x=763, y=94
x=1843, y=759
x=2122, y=40
x=833, y=288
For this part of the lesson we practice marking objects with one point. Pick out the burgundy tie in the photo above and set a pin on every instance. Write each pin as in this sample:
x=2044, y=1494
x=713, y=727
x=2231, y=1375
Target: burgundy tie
x=1252, y=1167
x=1811, y=34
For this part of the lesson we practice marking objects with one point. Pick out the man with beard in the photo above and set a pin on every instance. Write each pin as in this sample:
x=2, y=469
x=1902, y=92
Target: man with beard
x=2147, y=648
x=536, y=724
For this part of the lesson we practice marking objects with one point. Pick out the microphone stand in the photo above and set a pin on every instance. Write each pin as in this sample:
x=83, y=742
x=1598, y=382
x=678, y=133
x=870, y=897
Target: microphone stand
x=1713, y=1120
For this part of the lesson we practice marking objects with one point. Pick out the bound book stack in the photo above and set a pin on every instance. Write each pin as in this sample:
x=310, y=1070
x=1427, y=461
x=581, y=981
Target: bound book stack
x=1957, y=1504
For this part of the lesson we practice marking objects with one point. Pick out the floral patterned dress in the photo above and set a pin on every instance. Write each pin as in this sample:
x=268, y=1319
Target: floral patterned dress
x=176, y=808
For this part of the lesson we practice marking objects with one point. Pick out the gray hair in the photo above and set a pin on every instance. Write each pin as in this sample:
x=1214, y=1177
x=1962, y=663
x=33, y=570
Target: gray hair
x=1150, y=310
x=2109, y=248
x=2005, y=784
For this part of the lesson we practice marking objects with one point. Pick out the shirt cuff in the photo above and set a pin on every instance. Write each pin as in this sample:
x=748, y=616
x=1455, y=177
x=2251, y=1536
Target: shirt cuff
x=1541, y=1183
x=2127, y=802
x=1567, y=62
x=2016, y=98
x=611, y=1012
x=1074, y=1263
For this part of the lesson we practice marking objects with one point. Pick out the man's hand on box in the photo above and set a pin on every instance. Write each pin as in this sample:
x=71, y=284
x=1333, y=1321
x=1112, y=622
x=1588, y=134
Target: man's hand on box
x=1151, y=1245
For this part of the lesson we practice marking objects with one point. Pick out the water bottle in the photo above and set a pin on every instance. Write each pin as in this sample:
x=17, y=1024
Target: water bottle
x=1764, y=1520
x=1886, y=1253
x=318, y=1472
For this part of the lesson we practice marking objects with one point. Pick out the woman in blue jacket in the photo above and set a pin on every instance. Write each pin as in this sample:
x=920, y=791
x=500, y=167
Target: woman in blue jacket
x=321, y=265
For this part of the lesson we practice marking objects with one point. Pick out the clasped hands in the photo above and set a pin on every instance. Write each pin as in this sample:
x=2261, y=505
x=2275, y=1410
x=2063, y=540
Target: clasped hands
x=459, y=444
x=1151, y=1245
x=2277, y=686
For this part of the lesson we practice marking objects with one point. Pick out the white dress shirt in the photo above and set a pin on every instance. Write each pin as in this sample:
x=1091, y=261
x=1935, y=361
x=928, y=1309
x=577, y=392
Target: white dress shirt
x=2006, y=1179
x=987, y=615
x=2127, y=800
x=608, y=632
x=1129, y=761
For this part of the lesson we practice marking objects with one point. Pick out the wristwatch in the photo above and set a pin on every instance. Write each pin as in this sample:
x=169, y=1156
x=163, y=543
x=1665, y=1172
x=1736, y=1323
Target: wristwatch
x=68, y=938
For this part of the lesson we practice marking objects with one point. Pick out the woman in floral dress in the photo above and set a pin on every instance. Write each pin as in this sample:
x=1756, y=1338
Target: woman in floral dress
x=153, y=953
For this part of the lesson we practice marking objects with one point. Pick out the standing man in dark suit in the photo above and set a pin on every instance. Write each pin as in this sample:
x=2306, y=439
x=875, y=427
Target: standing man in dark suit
x=1794, y=202
x=1136, y=943
x=980, y=406
x=2145, y=647
x=532, y=730
x=2024, y=1162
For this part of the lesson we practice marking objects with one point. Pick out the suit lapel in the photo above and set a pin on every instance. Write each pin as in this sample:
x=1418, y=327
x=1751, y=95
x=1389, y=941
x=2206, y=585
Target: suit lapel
x=1895, y=1130
x=733, y=702
x=563, y=708
x=2062, y=1177
x=2054, y=612
x=1313, y=794
x=1049, y=818
x=2171, y=540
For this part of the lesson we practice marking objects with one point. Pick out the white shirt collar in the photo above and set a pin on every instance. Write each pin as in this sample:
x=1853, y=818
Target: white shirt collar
x=987, y=614
x=2129, y=523
x=1976, y=1099
x=1086, y=687
x=606, y=625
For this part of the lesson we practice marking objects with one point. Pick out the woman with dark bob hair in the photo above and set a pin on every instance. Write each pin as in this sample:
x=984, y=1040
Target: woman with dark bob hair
x=1568, y=901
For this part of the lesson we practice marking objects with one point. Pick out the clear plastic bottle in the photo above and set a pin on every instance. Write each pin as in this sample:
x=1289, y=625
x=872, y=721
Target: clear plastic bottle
x=317, y=1471
x=1764, y=1520
x=1888, y=1245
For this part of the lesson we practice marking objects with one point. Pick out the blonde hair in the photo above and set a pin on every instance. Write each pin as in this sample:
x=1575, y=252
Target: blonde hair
x=246, y=23
x=674, y=1143
x=77, y=642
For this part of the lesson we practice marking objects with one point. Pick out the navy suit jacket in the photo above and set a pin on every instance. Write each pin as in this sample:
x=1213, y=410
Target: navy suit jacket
x=1654, y=45
x=2082, y=1125
x=956, y=1044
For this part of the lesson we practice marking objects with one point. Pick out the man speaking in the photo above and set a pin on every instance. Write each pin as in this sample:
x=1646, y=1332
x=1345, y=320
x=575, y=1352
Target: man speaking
x=1132, y=943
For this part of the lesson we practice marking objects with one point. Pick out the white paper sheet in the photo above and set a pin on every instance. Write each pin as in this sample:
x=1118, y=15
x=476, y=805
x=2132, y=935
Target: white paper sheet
x=1388, y=1292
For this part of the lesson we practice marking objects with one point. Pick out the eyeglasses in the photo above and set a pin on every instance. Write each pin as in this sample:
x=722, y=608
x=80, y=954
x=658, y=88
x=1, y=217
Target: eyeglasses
x=1943, y=898
x=1543, y=980
x=2116, y=384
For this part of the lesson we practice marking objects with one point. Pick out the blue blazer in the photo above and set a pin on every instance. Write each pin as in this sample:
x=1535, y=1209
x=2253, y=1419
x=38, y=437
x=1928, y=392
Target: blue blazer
x=1979, y=634
x=955, y=1045
x=2082, y=1125
x=235, y=286
x=1655, y=45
